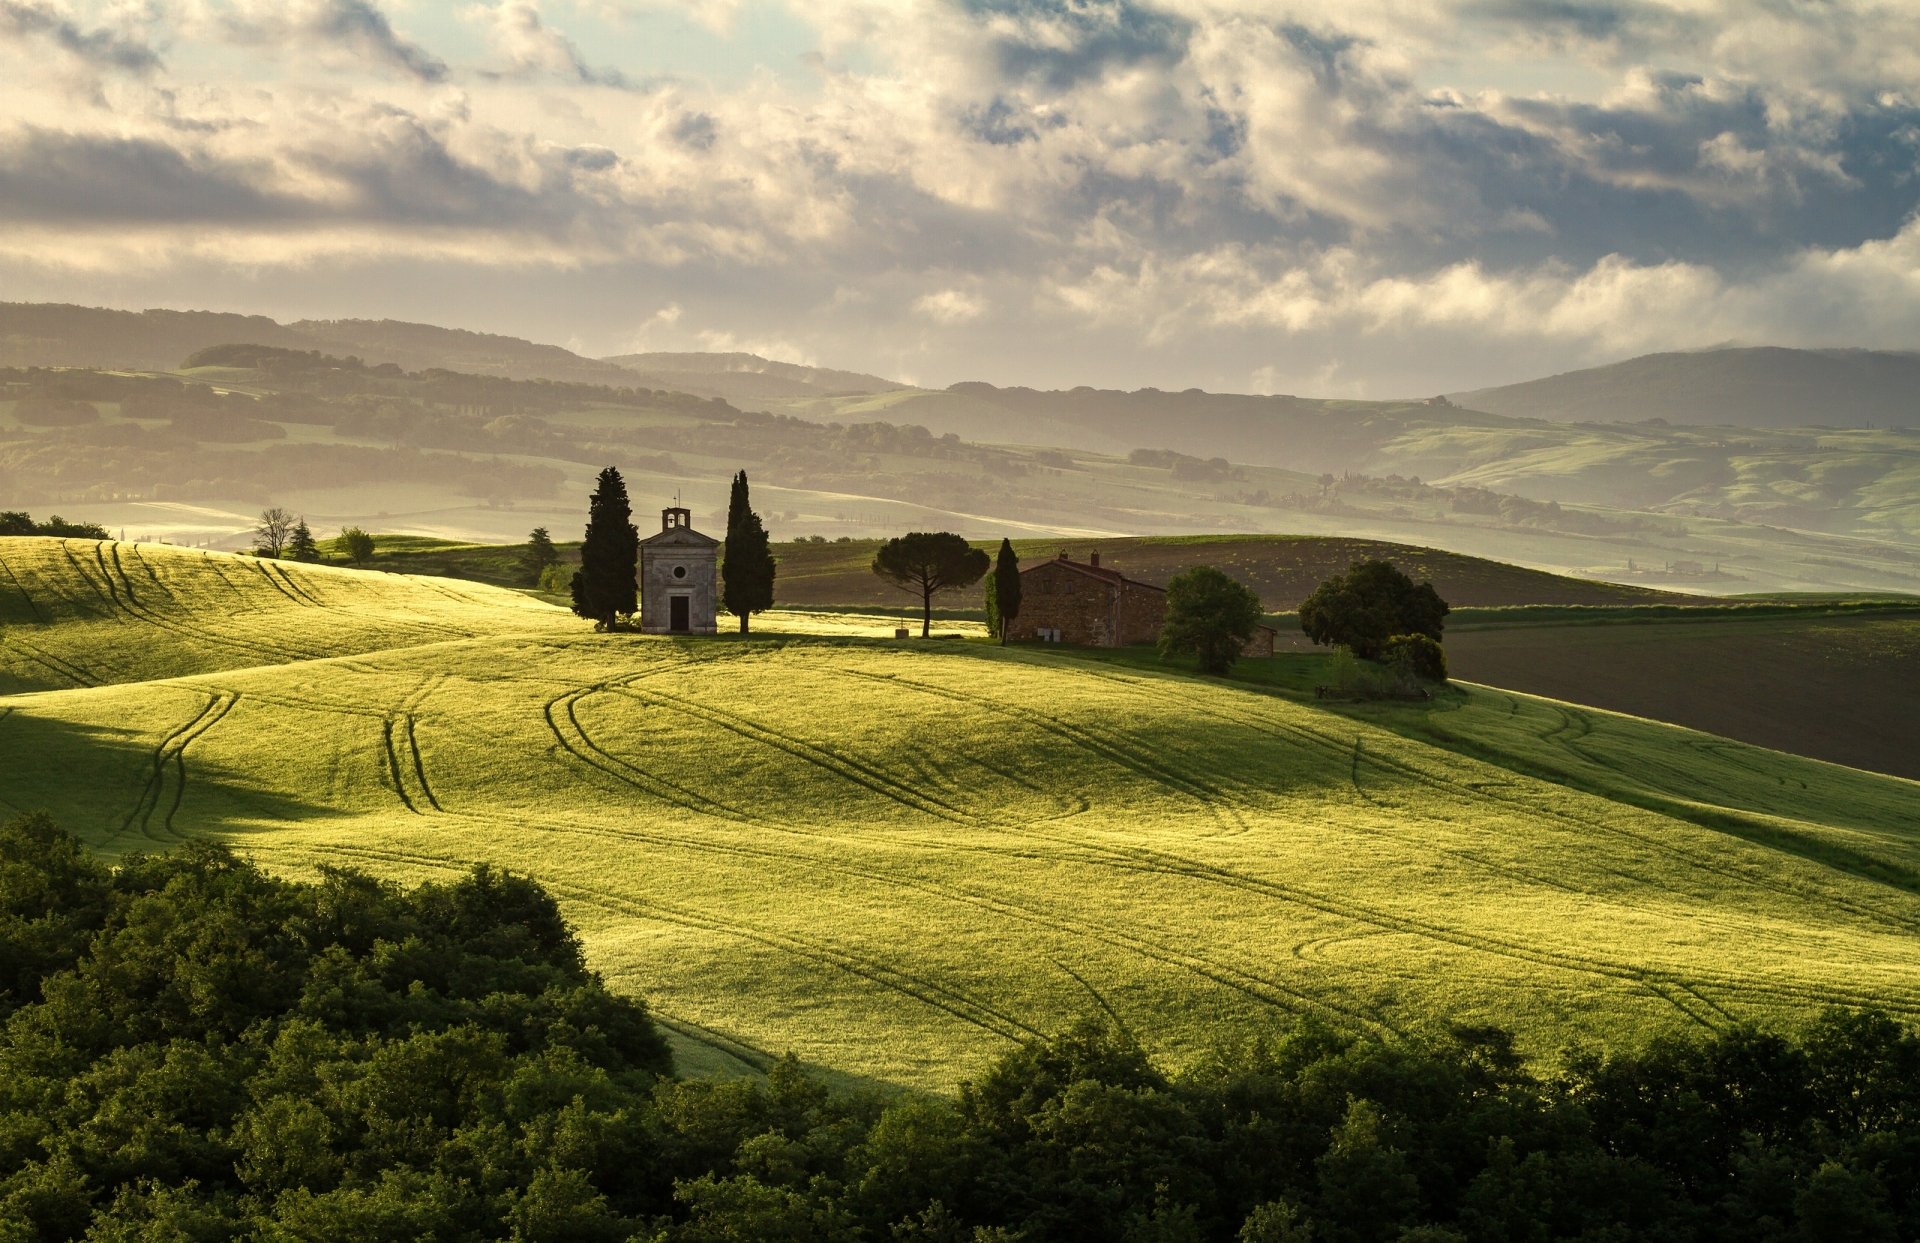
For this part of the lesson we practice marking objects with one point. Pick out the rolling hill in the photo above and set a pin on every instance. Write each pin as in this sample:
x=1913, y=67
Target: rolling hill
x=1282, y=569
x=898, y=858
x=1763, y=387
x=748, y=379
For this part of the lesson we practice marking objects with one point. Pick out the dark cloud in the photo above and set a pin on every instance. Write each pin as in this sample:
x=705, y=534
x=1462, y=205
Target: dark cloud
x=395, y=173
x=1063, y=44
x=101, y=48
x=356, y=27
x=695, y=131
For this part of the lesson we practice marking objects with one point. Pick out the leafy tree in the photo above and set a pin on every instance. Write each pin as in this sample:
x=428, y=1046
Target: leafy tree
x=271, y=533
x=747, y=573
x=1209, y=615
x=16, y=522
x=539, y=555
x=357, y=543
x=1415, y=657
x=1370, y=603
x=604, y=587
x=301, y=545
x=1003, y=591
x=927, y=562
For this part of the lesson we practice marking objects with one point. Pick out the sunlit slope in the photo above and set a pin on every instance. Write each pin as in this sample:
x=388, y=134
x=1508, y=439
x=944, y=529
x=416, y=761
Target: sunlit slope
x=895, y=860
x=86, y=612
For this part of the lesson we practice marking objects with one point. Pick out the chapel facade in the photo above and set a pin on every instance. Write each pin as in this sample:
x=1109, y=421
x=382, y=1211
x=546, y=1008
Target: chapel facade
x=679, y=574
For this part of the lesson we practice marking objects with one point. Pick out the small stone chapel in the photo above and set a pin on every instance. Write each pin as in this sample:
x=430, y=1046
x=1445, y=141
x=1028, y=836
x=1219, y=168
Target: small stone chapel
x=679, y=575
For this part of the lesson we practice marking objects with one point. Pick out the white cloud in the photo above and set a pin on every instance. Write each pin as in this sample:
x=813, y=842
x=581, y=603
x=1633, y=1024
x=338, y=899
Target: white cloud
x=1191, y=188
x=950, y=307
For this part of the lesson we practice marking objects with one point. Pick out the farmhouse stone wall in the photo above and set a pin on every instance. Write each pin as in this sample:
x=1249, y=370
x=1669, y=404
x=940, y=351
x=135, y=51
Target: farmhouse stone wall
x=1094, y=606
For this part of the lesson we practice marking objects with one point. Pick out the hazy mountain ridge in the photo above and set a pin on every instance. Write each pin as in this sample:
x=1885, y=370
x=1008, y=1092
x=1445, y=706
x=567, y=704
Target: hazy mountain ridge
x=1767, y=386
x=740, y=368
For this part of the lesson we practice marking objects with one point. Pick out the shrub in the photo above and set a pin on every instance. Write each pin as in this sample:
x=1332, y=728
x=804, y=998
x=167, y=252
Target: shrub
x=1415, y=655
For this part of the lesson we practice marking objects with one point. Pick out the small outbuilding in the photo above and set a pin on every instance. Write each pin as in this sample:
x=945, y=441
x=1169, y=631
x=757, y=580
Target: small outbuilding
x=679, y=573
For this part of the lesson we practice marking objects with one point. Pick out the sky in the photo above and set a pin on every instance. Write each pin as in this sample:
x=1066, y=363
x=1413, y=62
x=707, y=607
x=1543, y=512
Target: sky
x=1363, y=199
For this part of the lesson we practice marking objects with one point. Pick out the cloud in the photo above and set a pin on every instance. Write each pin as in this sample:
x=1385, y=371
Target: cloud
x=516, y=31
x=1174, y=190
x=950, y=307
x=353, y=29
x=99, y=48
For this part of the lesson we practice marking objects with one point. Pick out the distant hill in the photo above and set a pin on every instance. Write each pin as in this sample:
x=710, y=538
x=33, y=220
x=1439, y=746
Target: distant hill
x=1282, y=569
x=34, y=334
x=748, y=378
x=1302, y=433
x=418, y=347
x=1766, y=387
x=43, y=334
x=38, y=334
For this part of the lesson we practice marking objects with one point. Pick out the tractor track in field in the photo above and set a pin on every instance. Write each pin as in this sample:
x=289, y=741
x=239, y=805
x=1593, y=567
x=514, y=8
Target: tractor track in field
x=1152, y=860
x=135, y=611
x=267, y=574
x=595, y=758
x=1121, y=752
x=56, y=664
x=1877, y=917
x=853, y=771
x=1261, y=988
x=33, y=606
x=958, y=1005
x=170, y=752
x=112, y=611
x=301, y=594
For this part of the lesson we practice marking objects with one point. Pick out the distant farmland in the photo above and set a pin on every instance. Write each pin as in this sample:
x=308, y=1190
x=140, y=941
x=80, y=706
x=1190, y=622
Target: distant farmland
x=1840, y=688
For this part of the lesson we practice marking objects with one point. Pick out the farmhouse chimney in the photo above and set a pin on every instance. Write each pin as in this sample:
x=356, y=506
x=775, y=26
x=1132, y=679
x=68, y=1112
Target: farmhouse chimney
x=1093, y=559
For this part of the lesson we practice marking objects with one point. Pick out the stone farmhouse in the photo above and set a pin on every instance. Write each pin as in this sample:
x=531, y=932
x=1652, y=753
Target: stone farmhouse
x=679, y=569
x=1084, y=602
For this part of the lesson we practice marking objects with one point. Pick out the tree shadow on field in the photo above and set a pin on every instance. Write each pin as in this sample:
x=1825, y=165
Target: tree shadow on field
x=122, y=790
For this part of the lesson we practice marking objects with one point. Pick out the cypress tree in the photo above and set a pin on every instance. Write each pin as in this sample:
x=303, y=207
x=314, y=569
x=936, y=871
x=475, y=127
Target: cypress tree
x=301, y=545
x=605, y=587
x=1006, y=588
x=747, y=573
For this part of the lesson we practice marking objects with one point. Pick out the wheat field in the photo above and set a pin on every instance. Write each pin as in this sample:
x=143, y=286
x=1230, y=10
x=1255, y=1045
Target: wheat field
x=896, y=859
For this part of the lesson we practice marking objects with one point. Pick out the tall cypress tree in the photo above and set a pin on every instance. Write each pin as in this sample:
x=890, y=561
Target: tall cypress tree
x=1006, y=587
x=605, y=587
x=747, y=573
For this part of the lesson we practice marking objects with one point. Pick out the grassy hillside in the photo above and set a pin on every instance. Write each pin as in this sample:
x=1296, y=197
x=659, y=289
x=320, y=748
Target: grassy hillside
x=86, y=612
x=1283, y=569
x=897, y=859
x=1766, y=387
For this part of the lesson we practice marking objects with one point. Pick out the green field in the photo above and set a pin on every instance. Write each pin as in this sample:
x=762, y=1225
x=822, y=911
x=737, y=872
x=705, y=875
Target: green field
x=897, y=859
